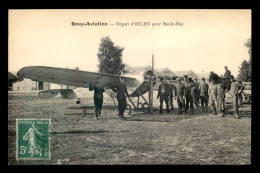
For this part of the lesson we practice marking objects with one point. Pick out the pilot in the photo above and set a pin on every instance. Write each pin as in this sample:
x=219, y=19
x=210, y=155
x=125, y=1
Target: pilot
x=121, y=91
x=98, y=95
x=163, y=93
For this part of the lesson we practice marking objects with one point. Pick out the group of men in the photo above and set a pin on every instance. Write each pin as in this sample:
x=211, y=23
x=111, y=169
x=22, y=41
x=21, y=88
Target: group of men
x=190, y=93
x=187, y=92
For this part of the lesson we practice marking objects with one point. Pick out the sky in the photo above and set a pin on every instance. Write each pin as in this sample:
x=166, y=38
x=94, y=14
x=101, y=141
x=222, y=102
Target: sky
x=204, y=40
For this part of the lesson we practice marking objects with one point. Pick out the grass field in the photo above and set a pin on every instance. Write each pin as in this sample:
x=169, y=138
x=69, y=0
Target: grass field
x=138, y=139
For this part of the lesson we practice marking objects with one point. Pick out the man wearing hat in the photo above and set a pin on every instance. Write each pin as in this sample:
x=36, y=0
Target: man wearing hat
x=98, y=95
x=227, y=72
x=235, y=90
x=163, y=93
x=180, y=89
x=203, y=90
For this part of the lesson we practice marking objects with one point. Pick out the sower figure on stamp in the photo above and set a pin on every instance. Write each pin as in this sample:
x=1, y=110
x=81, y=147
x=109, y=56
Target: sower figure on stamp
x=235, y=90
x=203, y=88
x=180, y=92
x=171, y=89
x=98, y=95
x=163, y=93
x=121, y=91
x=31, y=136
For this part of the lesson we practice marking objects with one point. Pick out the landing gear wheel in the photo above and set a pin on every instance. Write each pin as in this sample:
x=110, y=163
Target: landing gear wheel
x=129, y=109
x=146, y=108
x=140, y=104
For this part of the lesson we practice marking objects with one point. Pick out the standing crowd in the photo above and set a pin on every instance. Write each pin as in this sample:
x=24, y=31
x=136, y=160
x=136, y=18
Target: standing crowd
x=190, y=94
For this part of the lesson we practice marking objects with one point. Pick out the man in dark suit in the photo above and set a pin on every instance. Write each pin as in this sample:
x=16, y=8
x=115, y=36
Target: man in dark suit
x=163, y=93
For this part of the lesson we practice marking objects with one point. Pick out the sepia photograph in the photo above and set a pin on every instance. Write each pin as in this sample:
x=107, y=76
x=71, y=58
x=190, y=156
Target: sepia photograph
x=129, y=86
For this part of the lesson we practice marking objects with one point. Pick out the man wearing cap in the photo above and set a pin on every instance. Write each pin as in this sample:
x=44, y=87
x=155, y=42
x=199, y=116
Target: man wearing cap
x=227, y=72
x=197, y=91
x=163, y=93
x=203, y=90
x=180, y=92
x=171, y=89
x=235, y=90
x=121, y=91
x=98, y=95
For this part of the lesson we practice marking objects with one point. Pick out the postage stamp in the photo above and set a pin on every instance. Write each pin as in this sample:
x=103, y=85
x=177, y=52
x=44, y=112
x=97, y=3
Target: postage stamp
x=32, y=139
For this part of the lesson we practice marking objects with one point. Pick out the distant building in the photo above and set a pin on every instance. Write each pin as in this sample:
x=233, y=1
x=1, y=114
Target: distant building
x=28, y=84
x=203, y=75
x=139, y=69
x=166, y=74
x=12, y=78
x=189, y=73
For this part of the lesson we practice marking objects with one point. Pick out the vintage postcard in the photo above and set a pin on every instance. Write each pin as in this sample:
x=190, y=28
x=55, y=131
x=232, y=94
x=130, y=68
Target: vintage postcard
x=129, y=86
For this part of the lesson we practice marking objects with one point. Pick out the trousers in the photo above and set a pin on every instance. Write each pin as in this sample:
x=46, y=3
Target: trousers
x=165, y=99
x=121, y=105
x=181, y=104
x=98, y=105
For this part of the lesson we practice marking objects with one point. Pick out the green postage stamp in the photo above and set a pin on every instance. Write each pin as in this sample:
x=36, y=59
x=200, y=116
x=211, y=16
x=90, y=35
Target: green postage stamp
x=32, y=139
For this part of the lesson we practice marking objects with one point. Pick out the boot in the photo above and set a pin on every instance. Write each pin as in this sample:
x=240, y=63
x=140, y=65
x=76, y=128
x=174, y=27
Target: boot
x=221, y=114
x=172, y=107
x=202, y=109
x=191, y=111
x=215, y=112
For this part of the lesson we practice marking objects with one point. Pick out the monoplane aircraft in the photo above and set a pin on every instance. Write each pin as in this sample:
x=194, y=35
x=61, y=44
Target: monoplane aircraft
x=138, y=83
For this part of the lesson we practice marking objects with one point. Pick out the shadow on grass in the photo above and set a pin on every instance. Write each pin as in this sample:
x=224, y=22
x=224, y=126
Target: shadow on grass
x=84, y=132
x=79, y=114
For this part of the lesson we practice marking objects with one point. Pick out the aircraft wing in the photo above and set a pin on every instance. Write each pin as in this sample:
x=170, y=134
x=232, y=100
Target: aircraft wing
x=71, y=77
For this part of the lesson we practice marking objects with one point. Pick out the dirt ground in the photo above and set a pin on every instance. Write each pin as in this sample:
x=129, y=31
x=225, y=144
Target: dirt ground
x=138, y=139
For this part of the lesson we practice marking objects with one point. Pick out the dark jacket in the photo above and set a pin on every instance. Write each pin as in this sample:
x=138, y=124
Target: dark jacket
x=171, y=89
x=98, y=89
x=121, y=90
x=163, y=90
